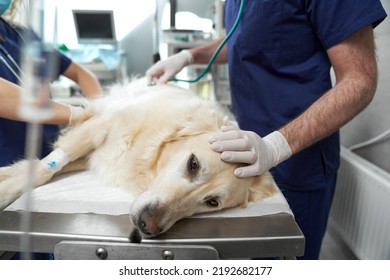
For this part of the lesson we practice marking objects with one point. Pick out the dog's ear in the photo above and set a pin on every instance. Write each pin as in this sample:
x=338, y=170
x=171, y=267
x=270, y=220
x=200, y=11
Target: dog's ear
x=196, y=120
x=261, y=187
x=170, y=132
x=201, y=121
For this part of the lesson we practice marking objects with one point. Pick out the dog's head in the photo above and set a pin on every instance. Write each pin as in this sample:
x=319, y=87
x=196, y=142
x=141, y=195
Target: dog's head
x=190, y=178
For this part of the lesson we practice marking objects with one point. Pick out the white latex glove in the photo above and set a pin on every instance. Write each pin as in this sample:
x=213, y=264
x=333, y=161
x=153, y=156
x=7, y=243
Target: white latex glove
x=164, y=70
x=76, y=113
x=260, y=154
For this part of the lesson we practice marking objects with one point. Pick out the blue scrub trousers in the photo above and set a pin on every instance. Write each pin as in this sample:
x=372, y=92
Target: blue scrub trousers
x=311, y=209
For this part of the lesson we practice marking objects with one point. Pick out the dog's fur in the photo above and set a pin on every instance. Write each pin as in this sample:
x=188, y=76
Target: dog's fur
x=152, y=141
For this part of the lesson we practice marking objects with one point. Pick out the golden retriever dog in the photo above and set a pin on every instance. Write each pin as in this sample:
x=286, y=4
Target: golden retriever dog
x=153, y=142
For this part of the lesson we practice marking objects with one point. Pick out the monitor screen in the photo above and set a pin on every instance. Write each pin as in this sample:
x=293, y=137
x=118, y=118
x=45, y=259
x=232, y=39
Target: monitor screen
x=94, y=26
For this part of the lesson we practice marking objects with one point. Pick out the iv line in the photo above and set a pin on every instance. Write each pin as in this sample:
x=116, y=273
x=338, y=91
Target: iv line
x=10, y=69
x=11, y=58
x=238, y=19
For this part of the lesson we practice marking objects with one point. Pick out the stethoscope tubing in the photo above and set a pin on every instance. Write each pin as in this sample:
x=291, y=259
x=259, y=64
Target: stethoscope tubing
x=231, y=32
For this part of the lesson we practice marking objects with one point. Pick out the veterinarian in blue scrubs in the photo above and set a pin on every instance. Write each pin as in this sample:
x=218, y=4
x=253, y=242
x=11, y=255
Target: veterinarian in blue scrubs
x=289, y=113
x=12, y=127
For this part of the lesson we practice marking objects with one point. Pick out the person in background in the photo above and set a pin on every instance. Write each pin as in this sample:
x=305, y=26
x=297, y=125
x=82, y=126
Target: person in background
x=282, y=96
x=12, y=125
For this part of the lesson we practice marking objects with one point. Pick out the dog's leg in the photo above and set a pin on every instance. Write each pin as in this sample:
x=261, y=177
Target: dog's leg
x=4, y=172
x=15, y=179
x=76, y=143
x=81, y=140
x=77, y=165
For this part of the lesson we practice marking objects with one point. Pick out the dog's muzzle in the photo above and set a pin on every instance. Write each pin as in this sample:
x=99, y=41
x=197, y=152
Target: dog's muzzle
x=148, y=221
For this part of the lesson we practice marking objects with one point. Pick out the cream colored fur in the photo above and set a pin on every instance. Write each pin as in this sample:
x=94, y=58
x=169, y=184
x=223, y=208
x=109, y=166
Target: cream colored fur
x=153, y=142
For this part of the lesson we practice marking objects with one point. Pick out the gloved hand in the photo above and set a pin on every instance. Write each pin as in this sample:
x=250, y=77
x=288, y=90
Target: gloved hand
x=164, y=70
x=76, y=113
x=239, y=146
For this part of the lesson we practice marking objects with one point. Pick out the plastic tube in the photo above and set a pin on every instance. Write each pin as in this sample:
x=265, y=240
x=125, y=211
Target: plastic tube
x=231, y=32
x=370, y=141
x=39, y=65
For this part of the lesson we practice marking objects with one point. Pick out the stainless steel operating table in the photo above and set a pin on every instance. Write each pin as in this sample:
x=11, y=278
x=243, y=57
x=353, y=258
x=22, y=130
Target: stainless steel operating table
x=99, y=228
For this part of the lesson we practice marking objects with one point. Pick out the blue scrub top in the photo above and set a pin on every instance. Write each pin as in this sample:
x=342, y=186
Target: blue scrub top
x=278, y=66
x=13, y=133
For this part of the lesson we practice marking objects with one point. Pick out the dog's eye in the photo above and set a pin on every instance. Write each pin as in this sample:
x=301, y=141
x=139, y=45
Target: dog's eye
x=212, y=202
x=193, y=165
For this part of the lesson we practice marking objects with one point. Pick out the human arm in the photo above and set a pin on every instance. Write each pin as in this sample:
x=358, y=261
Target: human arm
x=10, y=99
x=355, y=67
x=89, y=84
x=354, y=63
x=203, y=54
x=164, y=70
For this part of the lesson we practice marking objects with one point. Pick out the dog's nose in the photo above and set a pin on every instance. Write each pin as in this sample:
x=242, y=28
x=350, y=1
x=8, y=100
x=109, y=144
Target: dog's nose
x=148, y=223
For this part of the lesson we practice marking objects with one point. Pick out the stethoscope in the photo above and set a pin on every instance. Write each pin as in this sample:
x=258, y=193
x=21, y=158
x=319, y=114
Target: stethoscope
x=237, y=21
x=9, y=67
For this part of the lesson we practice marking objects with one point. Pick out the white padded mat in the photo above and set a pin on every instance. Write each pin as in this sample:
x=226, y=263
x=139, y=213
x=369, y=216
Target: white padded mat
x=82, y=193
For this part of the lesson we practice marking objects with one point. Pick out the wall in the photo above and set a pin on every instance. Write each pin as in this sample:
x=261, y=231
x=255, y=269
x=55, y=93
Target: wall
x=134, y=24
x=138, y=45
x=202, y=8
x=375, y=119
